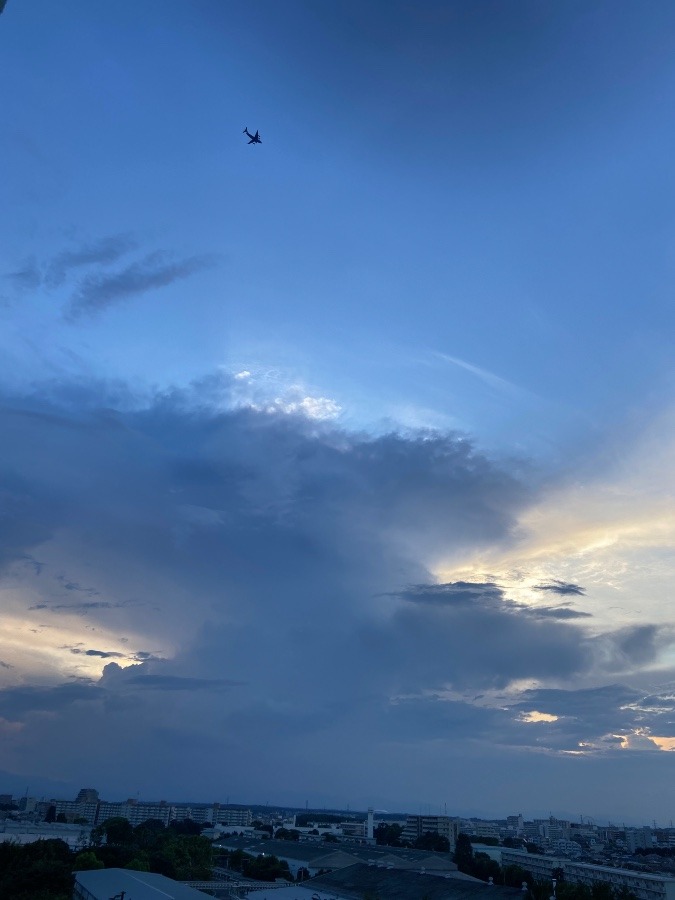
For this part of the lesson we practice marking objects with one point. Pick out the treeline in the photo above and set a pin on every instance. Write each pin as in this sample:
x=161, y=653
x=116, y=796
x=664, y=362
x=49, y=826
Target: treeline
x=264, y=867
x=302, y=820
x=43, y=870
x=390, y=836
x=177, y=850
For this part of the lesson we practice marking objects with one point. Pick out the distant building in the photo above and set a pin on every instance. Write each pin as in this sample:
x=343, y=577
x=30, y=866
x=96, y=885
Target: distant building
x=224, y=815
x=514, y=824
x=416, y=826
x=645, y=886
x=135, y=812
x=76, y=836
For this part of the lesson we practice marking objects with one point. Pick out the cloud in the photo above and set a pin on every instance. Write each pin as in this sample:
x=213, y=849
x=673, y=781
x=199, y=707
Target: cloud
x=272, y=576
x=26, y=278
x=559, y=612
x=83, y=607
x=74, y=586
x=101, y=286
x=97, y=292
x=102, y=252
x=496, y=382
x=560, y=587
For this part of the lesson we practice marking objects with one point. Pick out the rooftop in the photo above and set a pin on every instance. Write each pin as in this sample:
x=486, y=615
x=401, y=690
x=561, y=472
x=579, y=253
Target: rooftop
x=396, y=884
x=105, y=883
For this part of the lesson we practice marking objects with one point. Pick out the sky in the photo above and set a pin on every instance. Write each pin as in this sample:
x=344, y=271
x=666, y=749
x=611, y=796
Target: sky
x=338, y=469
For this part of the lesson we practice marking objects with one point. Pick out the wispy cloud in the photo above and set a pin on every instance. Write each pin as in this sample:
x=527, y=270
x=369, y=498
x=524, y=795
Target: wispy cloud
x=494, y=381
x=560, y=587
x=27, y=277
x=101, y=286
x=103, y=654
x=99, y=291
x=104, y=251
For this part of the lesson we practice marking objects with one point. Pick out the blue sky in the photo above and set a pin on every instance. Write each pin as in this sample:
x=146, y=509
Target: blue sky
x=389, y=385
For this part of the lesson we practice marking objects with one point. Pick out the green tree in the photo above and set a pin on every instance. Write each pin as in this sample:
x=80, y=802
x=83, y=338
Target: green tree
x=431, y=840
x=86, y=860
x=463, y=855
x=186, y=826
x=287, y=834
x=117, y=830
x=140, y=862
x=388, y=835
x=514, y=876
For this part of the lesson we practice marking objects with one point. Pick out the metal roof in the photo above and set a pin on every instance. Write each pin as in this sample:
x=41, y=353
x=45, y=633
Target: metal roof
x=105, y=883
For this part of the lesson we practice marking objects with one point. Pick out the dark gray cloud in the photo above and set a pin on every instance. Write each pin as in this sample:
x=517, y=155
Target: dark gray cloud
x=101, y=290
x=74, y=586
x=27, y=277
x=102, y=252
x=559, y=612
x=487, y=594
x=270, y=576
x=103, y=654
x=634, y=646
x=560, y=587
x=473, y=635
x=101, y=286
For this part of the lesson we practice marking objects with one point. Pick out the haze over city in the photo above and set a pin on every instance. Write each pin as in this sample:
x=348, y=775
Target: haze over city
x=338, y=468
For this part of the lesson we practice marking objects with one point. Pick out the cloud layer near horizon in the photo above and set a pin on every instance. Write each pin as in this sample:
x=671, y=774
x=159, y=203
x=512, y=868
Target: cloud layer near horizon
x=249, y=589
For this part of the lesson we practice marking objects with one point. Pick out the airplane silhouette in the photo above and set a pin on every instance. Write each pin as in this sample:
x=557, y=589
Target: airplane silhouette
x=255, y=138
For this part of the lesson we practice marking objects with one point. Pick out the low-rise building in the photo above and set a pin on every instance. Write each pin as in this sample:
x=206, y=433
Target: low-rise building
x=102, y=884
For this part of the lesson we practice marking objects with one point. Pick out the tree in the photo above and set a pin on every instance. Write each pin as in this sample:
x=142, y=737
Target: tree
x=486, y=868
x=463, y=856
x=431, y=840
x=287, y=834
x=388, y=835
x=117, y=830
x=86, y=860
x=186, y=826
x=514, y=876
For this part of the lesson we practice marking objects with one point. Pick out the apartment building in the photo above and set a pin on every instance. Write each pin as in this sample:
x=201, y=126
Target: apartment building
x=416, y=826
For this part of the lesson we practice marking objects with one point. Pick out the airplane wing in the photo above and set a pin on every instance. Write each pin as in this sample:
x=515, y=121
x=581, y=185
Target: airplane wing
x=3, y=3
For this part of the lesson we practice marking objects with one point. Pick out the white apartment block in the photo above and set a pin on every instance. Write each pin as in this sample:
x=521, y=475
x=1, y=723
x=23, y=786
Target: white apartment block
x=135, y=812
x=224, y=816
x=644, y=886
x=416, y=826
x=74, y=809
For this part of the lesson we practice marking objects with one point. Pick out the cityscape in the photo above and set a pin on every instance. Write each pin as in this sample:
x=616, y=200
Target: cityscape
x=269, y=848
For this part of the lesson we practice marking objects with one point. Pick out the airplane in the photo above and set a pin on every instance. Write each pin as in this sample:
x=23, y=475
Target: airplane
x=255, y=138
